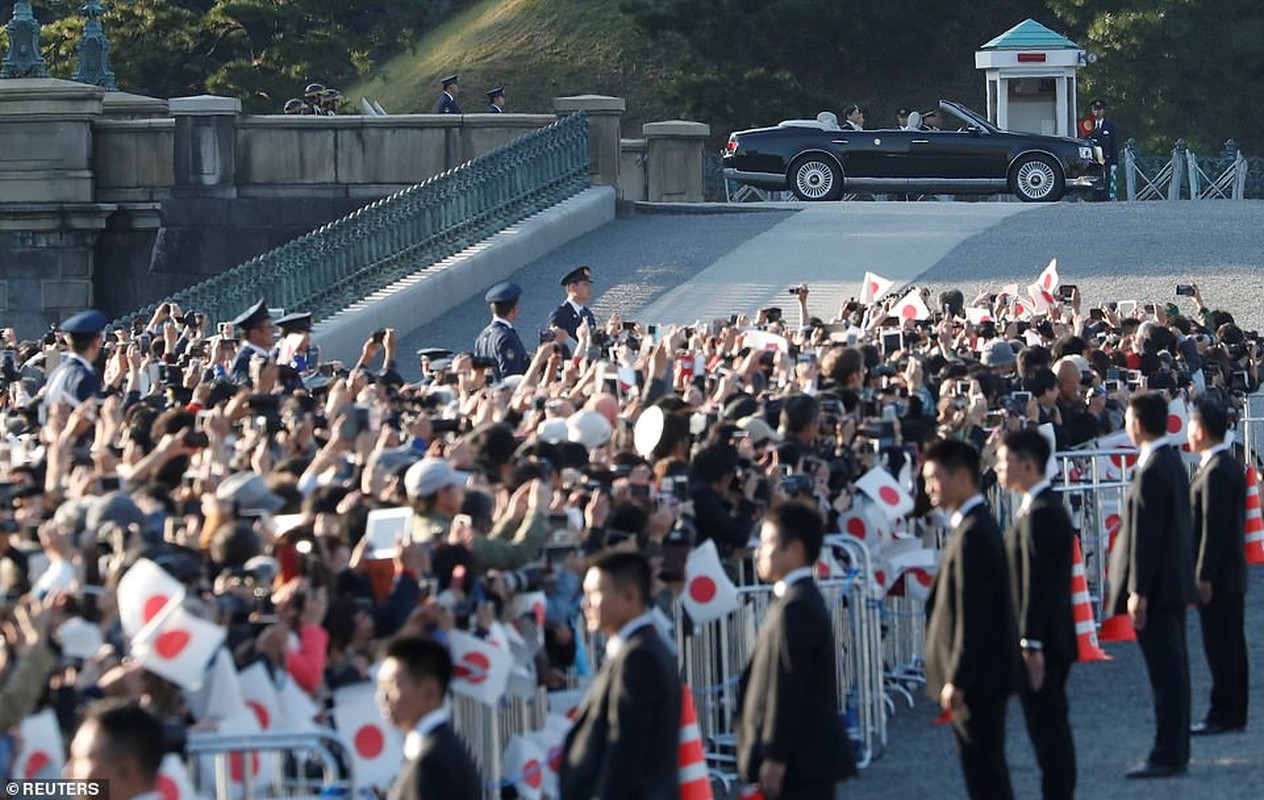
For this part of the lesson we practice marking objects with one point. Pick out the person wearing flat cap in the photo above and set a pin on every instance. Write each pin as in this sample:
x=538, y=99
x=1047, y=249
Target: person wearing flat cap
x=572, y=312
x=499, y=341
x=75, y=379
x=295, y=350
x=496, y=100
x=257, y=339
x=1104, y=136
x=447, y=100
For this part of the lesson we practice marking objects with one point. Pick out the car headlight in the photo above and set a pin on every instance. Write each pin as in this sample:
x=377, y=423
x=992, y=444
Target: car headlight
x=1087, y=154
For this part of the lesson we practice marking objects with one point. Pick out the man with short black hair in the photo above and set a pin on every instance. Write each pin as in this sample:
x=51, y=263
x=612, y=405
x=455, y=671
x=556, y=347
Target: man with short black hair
x=1151, y=578
x=625, y=740
x=121, y=743
x=1218, y=500
x=412, y=684
x=789, y=739
x=971, y=647
x=1040, y=557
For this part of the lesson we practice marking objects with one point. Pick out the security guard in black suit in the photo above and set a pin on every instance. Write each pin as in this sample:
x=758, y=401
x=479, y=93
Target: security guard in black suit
x=572, y=313
x=75, y=379
x=1104, y=136
x=499, y=341
x=496, y=100
x=258, y=337
x=447, y=100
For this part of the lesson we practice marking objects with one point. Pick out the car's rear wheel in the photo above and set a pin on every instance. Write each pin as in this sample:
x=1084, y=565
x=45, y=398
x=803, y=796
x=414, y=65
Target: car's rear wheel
x=816, y=177
x=1037, y=179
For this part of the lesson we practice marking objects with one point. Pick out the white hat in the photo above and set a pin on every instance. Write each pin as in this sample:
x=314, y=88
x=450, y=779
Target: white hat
x=554, y=430
x=429, y=475
x=589, y=428
x=758, y=429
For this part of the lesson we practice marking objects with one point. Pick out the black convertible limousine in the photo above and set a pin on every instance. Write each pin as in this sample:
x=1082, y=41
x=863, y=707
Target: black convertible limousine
x=817, y=160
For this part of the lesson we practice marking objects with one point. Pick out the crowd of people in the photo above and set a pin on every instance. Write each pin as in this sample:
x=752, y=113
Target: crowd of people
x=249, y=469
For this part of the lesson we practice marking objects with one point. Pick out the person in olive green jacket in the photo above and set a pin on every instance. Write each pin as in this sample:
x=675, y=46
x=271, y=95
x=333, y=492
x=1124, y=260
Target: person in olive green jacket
x=24, y=679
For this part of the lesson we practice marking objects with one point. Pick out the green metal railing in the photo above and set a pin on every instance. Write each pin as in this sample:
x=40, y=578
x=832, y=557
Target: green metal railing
x=366, y=251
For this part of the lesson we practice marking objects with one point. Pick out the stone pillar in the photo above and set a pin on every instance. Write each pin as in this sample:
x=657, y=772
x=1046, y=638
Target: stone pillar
x=674, y=154
x=205, y=146
x=49, y=220
x=632, y=170
x=604, y=115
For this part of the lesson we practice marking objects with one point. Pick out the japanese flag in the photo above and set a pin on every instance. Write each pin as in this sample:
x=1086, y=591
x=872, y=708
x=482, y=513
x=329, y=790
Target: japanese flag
x=244, y=767
x=911, y=307
x=827, y=566
x=1118, y=465
x=627, y=378
x=862, y=522
x=565, y=703
x=1177, y=421
x=874, y=287
x=143, y=592
x=221, y=697
x=978, y=316
x=377, y=748
x=41, y=755
x=551, y=741
x=1042, y=302
x=887, y=493
x=259, y=695
x=1049, y=279
x=298, y=712
x=765, y=341
x=709, y=594
x=177, y=645
x=917, y=583
x=173, y=781
x=525, y=765
x=1010, y=290
x=1022, y=308
x=480, y=669
x=533, y=604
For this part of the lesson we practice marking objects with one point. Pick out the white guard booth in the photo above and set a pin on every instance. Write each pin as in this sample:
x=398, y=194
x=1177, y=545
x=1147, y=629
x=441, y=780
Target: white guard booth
x=1031, y=80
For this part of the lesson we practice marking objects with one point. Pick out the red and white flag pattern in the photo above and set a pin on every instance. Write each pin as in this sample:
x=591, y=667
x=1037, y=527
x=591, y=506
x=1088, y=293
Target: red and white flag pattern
x=173, y=782
x=1049, y=279
x=376, y=747
x=978, y=316
x=708, y=594
x=886, y=492
x=41, y=755
x=1042, y=301
x=551, y=740
x=260, y=696
x=1177, y=421
x=143, y=592
x=911, y=307
x=875, y=286
x=525, y=765
x=480, y=669
x=177, y=646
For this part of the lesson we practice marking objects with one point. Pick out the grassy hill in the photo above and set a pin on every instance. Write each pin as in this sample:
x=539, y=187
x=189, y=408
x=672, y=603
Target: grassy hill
x=538, y=49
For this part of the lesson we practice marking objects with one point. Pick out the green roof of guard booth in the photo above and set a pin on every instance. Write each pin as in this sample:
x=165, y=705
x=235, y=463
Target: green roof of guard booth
x=1030, y=35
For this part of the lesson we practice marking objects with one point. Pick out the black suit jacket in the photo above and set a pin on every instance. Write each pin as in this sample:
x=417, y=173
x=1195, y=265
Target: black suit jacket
x=443, y=771
x=788, y=699
x=1152, y=554
x=625, y=742
x=1217, y=498
x=970, y=637
x=1040, y=556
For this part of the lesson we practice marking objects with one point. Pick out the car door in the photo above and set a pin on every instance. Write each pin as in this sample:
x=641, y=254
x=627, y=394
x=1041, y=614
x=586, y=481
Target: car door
x=957, y=155
x=877, y=155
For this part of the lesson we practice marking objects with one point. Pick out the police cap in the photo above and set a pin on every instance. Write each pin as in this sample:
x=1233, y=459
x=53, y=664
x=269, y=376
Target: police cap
x=494, y=92
x=85, y=323
x=295, y=323
x=433, y=353
x=254, y=317
x=506, y=292
x=577, y=275
x=449, y=80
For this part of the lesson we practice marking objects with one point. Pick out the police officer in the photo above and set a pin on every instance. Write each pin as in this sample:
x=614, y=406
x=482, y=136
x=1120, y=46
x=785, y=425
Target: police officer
x=572, y=313
x=499, y=341
x=257, y=339
x=75, y=379
x=295, y=350
x=447, y=100
x=496, y=100
x=1105, y=137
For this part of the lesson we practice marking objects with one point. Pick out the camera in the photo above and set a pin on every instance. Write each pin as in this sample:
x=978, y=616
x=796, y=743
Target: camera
x=1184, y=290
x=547, y=336
x=483, y=362
x=796, y=484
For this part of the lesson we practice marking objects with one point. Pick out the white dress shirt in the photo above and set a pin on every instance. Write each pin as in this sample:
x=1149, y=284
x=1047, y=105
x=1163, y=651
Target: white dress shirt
x=416, y=738
x=1148, y=449
x=966, y=508
x=1211, y=452
x=1029, y=497
x=502, y=321
x=791, y=578
x=630, y=627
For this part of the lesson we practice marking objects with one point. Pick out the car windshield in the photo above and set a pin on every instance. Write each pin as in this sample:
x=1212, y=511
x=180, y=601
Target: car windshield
x=967, y=116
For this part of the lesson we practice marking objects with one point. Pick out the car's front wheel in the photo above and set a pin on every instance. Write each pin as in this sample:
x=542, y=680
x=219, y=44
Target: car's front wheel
x=1037, y=179
x=815, y=177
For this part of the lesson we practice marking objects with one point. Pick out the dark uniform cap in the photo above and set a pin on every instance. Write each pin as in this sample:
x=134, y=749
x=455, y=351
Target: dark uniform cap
x=85, y=322
x=450, y=79
x=295, y=323
x=495, y=92
x=433, y=353
x=577, y=275
x=505, y=292
x=1098, y=103
x=254, y=317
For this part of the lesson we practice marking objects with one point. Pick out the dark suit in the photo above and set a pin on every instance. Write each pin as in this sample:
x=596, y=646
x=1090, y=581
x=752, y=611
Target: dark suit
x=565, y=318
x=1040, y=559
x=447, y=105
x=500, y=341
x=788, y=699
x=1152, y=558
x=240, y=371
x=495, y=109
x=443, y=771
x=1106, y=137
x=971, y=643
x=1218, y=501
x=625, y=742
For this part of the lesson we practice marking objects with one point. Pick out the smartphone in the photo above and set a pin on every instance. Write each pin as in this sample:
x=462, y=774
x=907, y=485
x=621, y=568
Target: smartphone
x=1126, y=307
x=963, y=388
x=892, y=341
x=547, y=336
x=1022, y=397
x=1184, y=290
x=630, y=327
x=1096, y=314
x=109, y=483
x=1113, y=386
x=652, y=330
x=1149, y=308
x=1066, y=291
x=995, y=419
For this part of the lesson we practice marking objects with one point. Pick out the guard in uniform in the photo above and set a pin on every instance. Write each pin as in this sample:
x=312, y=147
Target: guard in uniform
x=295, y=350
x=258, y=337
x=572, y=312
x=499, y=341
x=1105, y=137
x=496, y=100
x=447, y=100
x=75, y=379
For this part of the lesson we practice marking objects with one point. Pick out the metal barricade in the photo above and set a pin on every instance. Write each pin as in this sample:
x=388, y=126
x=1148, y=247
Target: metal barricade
x=286, y=779
x=486, y=731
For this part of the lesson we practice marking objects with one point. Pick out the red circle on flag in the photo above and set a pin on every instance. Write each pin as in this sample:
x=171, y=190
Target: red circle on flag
x=265, y=721
x=473, y=667
x=822, y=569
x=166, y=788
x=1048, y=282
x=171, y=644
x=873, y=289
x=1173, y=423
x=36, y=763
x=889, y=496
x=1129, y=459
x=369, y=741
x=235, y=767
x=922, y=576
x=532, y=774
x=856, y=527
x=555, y=758
x=702, y=589
x=881, y=577
x=153, y=605
x=908, y=311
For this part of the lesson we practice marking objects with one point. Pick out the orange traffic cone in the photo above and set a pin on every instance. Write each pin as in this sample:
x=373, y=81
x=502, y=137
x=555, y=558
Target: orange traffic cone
x=1254, y=520
x=695, y=782
x=1117, y=629
x=1085, y=625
